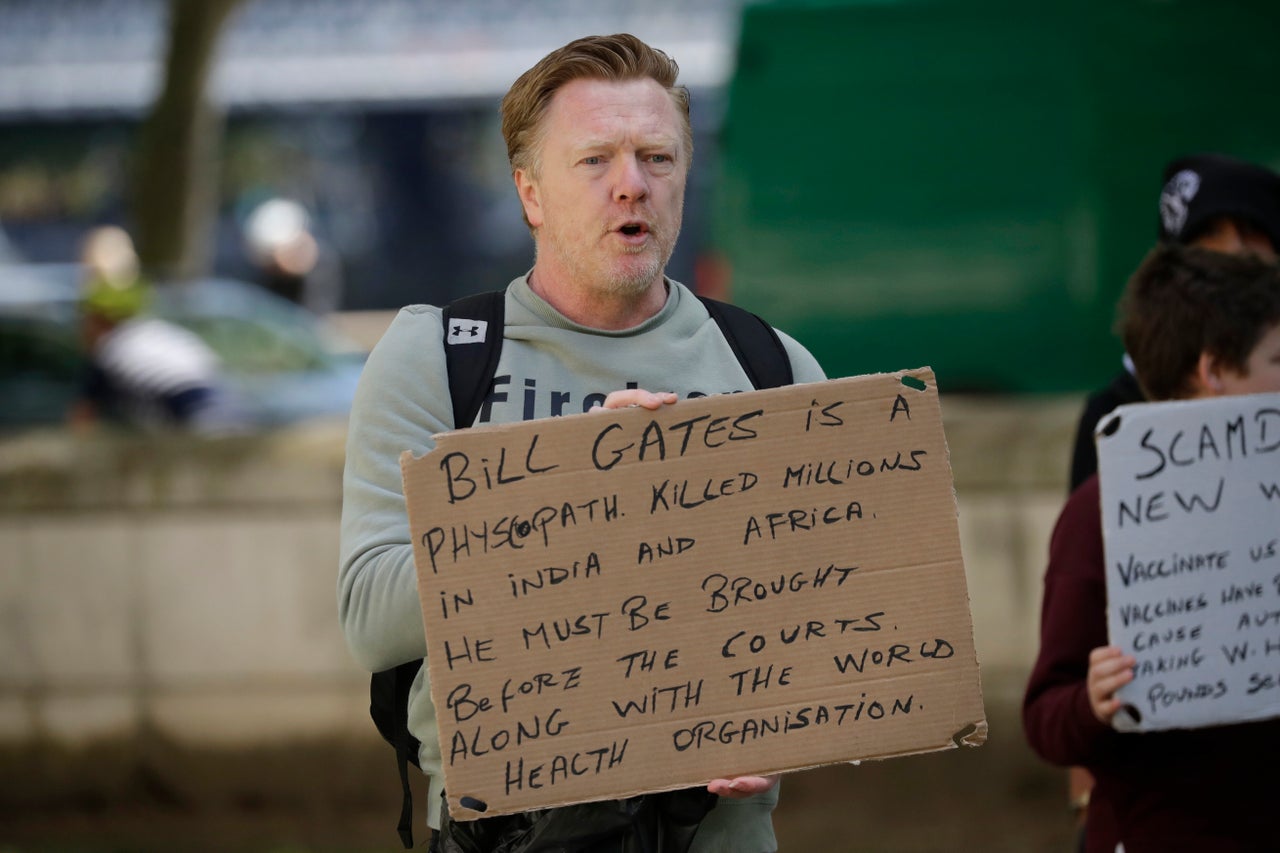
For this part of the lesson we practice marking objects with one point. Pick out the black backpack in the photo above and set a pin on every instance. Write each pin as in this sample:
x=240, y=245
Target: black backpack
x=471, y=368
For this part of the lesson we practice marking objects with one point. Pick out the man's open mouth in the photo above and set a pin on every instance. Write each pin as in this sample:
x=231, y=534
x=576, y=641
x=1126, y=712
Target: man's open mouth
x=631, y=229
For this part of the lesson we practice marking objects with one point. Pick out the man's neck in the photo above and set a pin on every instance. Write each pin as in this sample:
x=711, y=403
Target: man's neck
x=599, y=310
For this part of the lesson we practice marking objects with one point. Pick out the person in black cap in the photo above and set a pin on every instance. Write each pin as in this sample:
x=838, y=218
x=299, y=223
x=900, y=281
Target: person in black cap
x=1211, y=201
x=1214, y=202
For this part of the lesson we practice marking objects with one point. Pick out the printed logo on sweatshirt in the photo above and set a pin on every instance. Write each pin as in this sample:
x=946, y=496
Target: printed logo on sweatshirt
x=536, y=402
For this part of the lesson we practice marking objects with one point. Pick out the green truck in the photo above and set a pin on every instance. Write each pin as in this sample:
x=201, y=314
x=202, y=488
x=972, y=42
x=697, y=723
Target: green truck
x=967, y=185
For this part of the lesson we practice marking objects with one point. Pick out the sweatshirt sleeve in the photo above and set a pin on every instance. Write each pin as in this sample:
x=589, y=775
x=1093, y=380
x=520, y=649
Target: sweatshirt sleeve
x=1056, y=717
x=401, y=401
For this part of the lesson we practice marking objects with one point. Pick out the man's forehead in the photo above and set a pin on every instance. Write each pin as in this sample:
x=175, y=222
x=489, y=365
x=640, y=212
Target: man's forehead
x=586, y=108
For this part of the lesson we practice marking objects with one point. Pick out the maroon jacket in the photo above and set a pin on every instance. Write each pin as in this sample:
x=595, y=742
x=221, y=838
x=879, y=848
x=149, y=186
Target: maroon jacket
x=1207, y=789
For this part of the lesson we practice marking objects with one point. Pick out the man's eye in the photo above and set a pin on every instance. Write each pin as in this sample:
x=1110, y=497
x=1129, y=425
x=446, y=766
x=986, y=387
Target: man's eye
x=591, y=161
x=660, y=158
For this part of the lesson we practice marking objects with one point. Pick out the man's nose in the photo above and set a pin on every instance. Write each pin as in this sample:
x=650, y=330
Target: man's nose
x=630, y=183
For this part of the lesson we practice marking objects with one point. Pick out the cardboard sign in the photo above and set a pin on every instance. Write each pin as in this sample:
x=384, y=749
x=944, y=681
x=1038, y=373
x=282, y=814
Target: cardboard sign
x=1191, y=529
x=633, y=601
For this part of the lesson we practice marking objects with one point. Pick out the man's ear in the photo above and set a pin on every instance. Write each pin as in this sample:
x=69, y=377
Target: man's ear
x=530, y=197
x=1209, y=376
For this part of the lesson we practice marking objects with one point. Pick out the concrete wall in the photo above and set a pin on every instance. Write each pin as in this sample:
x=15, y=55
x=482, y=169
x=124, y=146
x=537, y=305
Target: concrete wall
x=187, y=588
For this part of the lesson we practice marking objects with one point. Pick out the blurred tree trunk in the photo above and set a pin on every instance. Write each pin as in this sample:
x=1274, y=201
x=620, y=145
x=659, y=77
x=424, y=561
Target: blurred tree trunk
x=175, y=173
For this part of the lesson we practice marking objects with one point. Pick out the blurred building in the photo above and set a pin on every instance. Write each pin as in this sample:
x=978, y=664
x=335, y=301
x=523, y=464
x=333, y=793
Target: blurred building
x=379, y=116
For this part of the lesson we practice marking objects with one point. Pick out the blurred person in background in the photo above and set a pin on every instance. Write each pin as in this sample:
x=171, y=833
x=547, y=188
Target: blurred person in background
x=1196, y=323
x=1211, y=201
x=599, y=141
x=141, y=370
x=288, y=258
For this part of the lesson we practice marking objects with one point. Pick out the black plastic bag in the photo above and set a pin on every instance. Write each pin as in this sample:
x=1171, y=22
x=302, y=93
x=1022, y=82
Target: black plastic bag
x=649, y=823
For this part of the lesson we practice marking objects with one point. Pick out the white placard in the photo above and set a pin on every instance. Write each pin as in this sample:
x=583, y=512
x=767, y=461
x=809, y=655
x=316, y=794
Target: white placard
x=1191, y=528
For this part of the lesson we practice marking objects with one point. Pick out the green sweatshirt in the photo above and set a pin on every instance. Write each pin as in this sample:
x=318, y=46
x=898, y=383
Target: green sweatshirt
x=549, y=366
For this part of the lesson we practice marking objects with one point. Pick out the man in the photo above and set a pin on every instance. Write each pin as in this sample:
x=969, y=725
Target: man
x=1197, y=324
x=1211, y=201
x=599, y=141
x=287, y=258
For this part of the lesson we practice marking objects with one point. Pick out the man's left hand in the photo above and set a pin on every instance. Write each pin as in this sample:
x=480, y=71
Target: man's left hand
x=636, y=397
x=742, y=787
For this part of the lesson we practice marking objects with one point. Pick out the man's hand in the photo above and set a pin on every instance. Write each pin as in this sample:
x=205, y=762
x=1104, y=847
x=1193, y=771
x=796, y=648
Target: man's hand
x=636, y=397
x=742, y=787
x=1109, y=670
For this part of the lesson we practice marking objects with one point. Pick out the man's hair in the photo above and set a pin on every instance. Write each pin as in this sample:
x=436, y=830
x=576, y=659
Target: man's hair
x=1183, y=301
x=617, y=57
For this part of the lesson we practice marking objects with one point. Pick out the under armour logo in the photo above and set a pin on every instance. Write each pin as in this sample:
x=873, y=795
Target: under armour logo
x=463, y=331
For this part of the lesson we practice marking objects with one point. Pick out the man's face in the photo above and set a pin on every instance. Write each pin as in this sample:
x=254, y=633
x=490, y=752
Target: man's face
x=607, y=203
x=1262, y=369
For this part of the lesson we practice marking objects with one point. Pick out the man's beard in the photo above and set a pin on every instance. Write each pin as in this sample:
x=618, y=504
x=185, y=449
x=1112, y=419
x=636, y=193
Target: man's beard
x=634, y=280
x=627, y=280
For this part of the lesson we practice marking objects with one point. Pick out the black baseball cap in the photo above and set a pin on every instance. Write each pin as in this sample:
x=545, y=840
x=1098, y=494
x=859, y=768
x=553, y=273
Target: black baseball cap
x=1199, y=188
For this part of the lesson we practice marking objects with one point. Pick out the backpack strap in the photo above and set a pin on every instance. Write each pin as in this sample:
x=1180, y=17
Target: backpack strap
x=389, y=707
x=756, y=344
x=473, y=328
x=473, y=344
x=406, y=747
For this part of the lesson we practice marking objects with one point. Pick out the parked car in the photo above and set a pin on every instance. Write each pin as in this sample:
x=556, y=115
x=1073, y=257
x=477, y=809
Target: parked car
x=280, y=360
